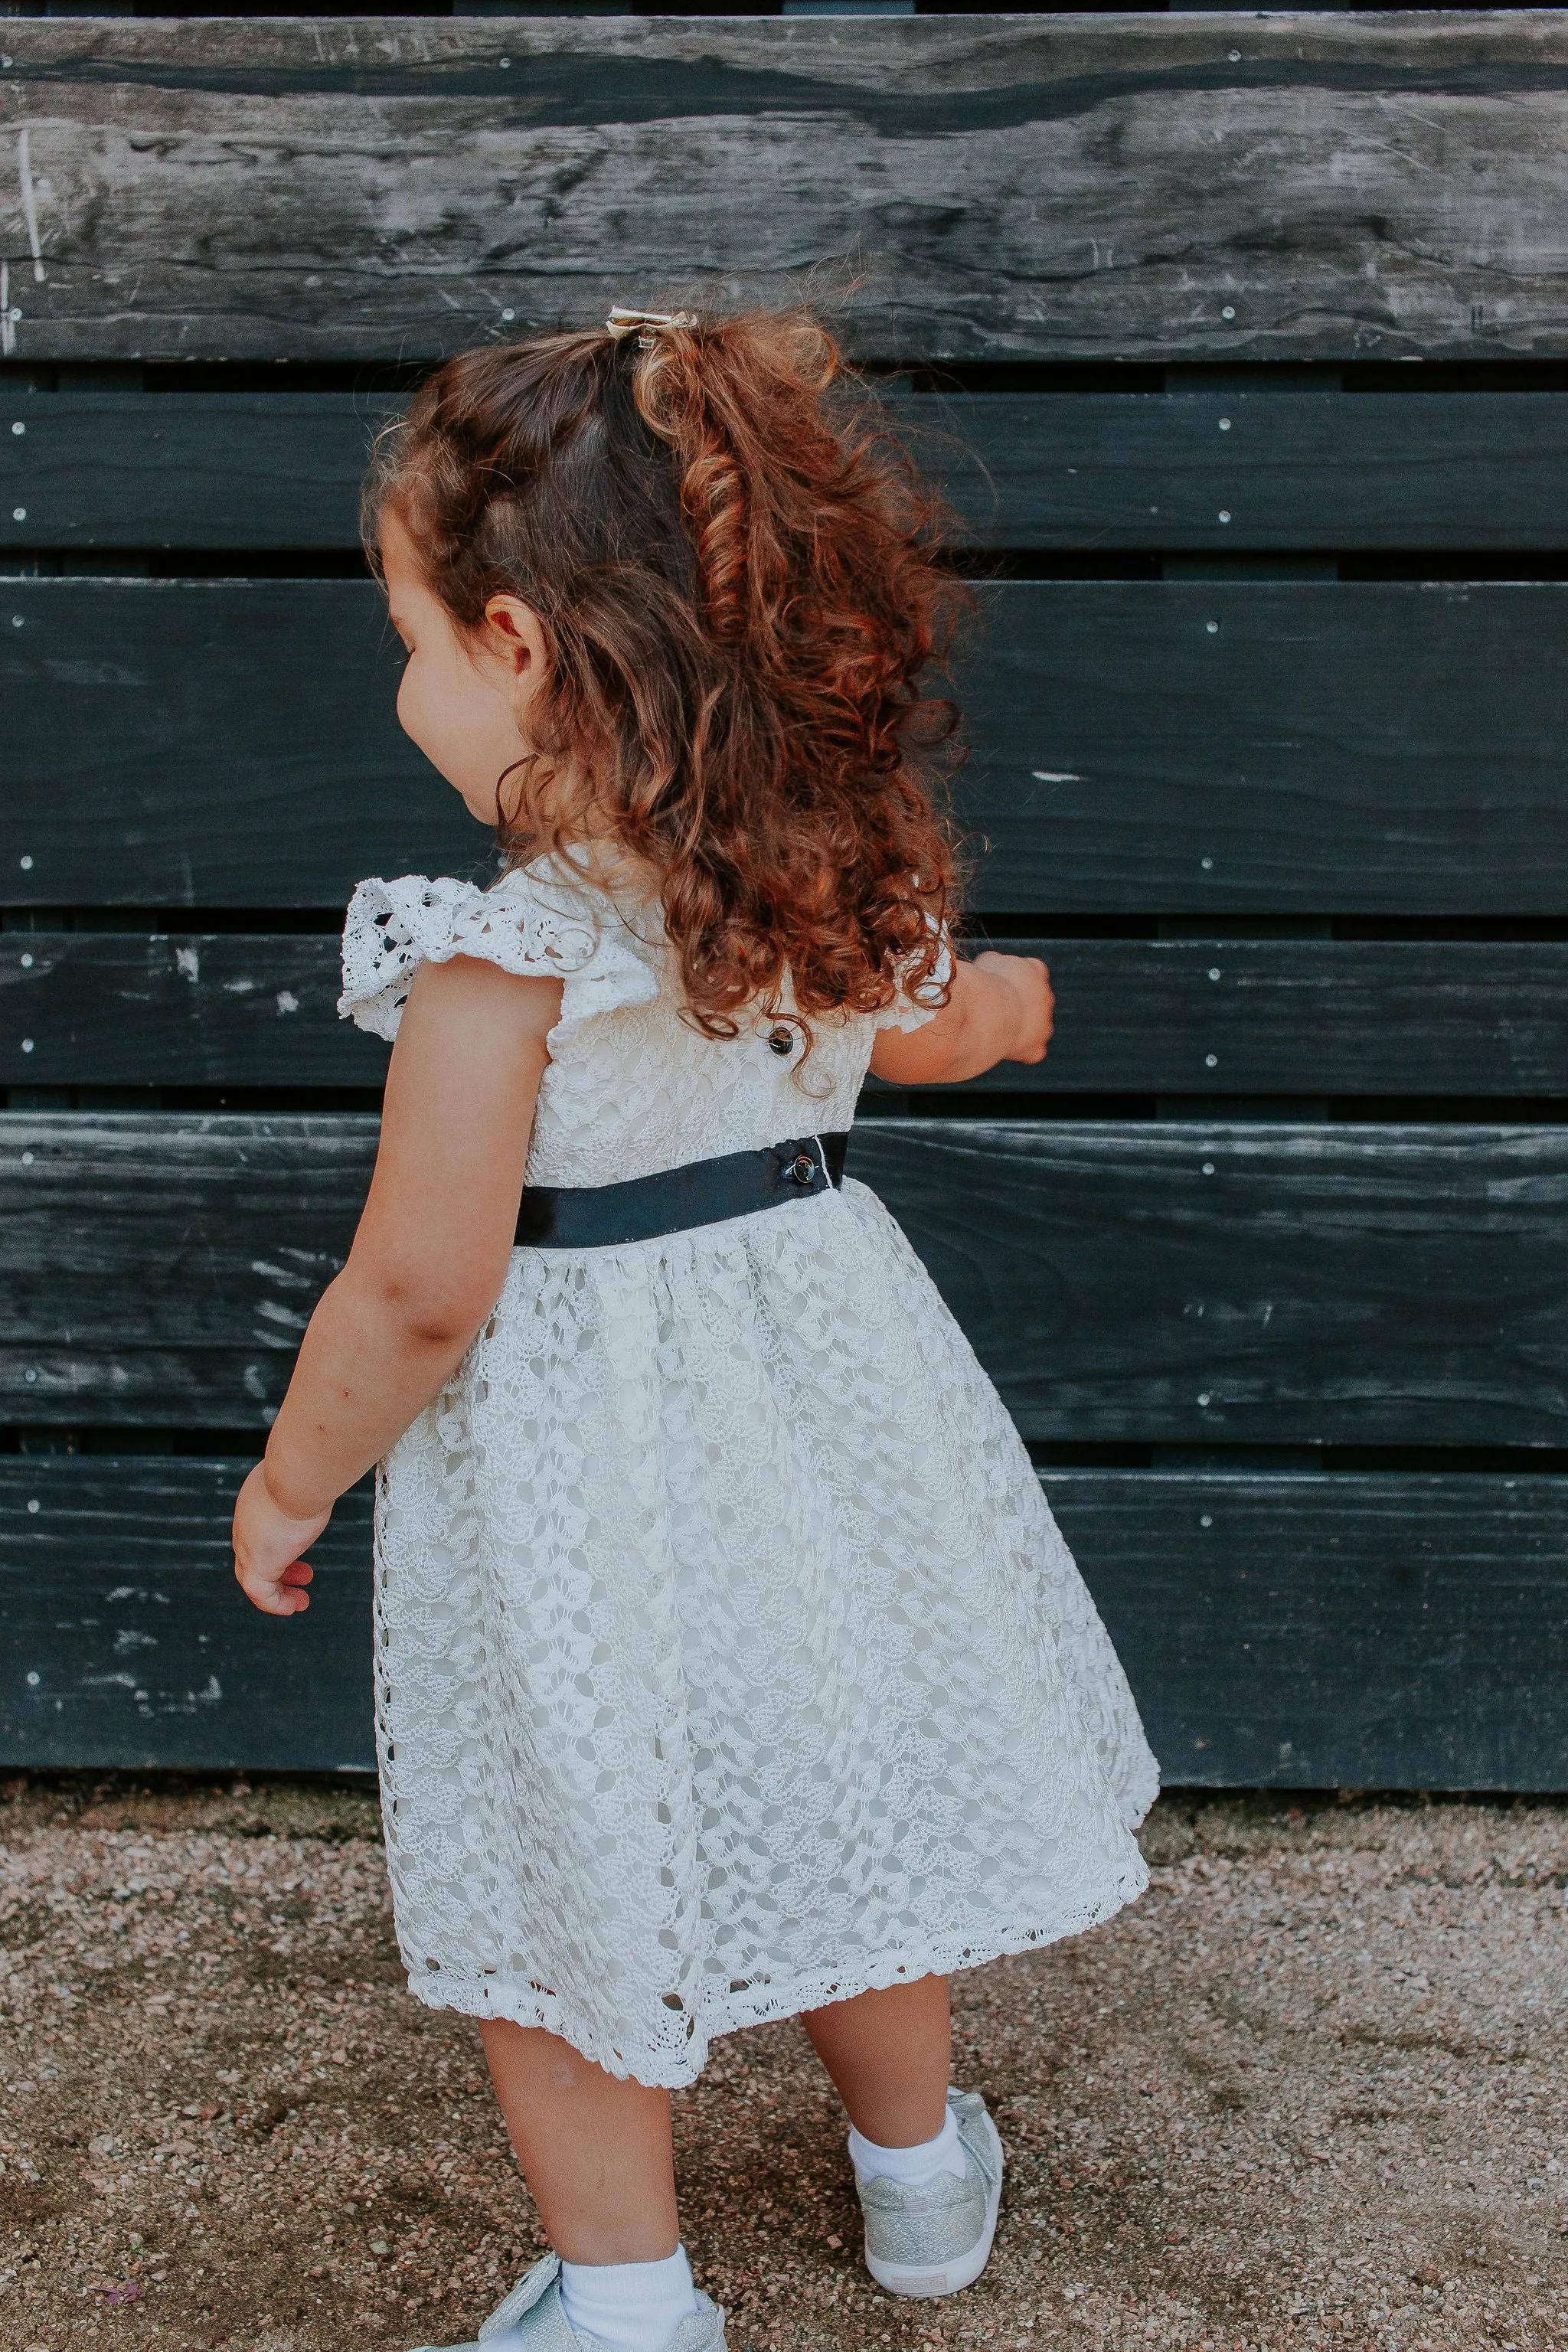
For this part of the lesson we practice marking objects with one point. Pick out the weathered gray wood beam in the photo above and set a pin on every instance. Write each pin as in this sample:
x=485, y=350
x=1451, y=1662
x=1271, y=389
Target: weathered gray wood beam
x=1129, y=188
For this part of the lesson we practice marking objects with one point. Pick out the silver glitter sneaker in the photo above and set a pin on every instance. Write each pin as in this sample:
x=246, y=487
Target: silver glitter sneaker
x=933, y=2241
x=531, y=2319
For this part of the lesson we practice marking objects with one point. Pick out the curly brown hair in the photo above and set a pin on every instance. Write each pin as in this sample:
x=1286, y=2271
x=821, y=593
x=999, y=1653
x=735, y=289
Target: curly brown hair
x=738, y=572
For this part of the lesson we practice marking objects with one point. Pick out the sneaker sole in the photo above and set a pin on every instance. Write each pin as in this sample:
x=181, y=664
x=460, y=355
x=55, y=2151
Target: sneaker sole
x=905, y=2278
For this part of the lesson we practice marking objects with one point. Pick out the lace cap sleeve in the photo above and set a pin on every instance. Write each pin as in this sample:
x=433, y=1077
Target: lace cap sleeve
x=520, y=924
x=906, y=1010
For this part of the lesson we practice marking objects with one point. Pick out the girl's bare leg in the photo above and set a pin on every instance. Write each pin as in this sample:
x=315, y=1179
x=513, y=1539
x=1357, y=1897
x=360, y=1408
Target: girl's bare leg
x=888, y=2054
x=595, y=2152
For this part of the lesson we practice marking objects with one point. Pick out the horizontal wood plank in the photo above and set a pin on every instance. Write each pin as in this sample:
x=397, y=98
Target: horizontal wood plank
x=183, y=469
x=1155, y=1016
x=1184, y=747
x=1392, y=183
x=1351, y=1017
x=226, y=744
x=1383, y=1632
x=1247, y=469
x=162, y=1269
x=1247, y=1283
x=127, y=1642
x=108, y=1008
x=1299, y=747
x=1284, y=1630
x=1165, y=1281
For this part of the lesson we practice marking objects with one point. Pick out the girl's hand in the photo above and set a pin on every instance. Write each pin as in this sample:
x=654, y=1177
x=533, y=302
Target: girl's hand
x=1028, y=982
x=267, y=1548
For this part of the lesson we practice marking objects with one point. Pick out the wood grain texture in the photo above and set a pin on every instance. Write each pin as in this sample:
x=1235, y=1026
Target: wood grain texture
x=1129, y=188
x=1301, y=746
x=219, y=743
x=1168, y=747
x=1306, y=1631
x=84, y=1008
x=250, y=470
x=127, y=1642
x=1288, y=1632
x=162, y=1269
x=1277, y=1016
x=1247, y=1283
x=1168, y=1281
x=1299, y=1016
x=1250, y=468
x=1054, y=470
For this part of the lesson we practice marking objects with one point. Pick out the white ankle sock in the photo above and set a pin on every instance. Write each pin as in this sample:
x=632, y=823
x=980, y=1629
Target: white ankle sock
x=632, y=2306
x=912, y=2168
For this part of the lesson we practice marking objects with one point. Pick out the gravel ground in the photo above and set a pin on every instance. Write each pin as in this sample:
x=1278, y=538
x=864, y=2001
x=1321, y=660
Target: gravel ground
x=1310, y=2092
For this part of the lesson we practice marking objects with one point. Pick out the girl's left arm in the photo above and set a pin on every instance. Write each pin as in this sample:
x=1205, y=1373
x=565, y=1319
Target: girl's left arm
x=426, y=1265
x=1000, y=1008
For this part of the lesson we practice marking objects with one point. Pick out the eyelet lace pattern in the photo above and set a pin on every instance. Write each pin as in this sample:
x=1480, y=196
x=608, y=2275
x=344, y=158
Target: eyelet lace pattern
x=728, y=1658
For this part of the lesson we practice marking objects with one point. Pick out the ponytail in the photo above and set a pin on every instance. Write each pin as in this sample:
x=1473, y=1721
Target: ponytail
x=680, y=394
x=735, y=404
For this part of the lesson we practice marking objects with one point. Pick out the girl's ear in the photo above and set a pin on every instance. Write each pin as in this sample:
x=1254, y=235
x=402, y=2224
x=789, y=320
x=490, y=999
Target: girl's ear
x=516, y=633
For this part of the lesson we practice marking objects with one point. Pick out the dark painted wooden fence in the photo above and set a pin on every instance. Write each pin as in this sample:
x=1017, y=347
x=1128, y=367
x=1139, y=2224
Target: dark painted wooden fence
x=1269, y=706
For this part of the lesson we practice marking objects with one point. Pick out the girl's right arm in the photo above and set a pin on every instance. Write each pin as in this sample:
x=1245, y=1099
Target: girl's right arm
x=428, y=1262
x=1001, y=1010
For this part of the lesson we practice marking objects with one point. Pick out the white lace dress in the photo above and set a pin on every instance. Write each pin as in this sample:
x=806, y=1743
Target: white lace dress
x=728, y=1658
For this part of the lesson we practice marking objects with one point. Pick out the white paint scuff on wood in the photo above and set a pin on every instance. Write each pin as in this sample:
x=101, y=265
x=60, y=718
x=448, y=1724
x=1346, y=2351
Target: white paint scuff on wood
x=29, y=205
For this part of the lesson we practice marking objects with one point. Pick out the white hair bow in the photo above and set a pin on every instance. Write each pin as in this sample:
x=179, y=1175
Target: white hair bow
x=622, y=322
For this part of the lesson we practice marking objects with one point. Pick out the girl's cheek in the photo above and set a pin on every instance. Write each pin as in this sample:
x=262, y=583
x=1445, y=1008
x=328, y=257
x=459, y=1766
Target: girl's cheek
x=406, y=699
x=413, y=715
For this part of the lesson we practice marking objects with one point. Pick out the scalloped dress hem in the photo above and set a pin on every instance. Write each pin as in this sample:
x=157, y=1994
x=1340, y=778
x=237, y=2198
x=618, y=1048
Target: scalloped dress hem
x=771, y=2002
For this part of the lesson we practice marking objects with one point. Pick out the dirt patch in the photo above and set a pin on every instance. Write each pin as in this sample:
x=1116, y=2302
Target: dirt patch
x=1310, y=2092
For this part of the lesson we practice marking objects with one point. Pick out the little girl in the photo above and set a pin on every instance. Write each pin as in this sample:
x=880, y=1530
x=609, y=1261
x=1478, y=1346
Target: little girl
x=728, y=1663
